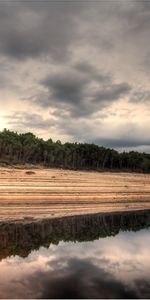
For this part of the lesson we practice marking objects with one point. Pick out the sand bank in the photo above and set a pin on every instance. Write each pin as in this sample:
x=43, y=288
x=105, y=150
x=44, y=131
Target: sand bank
x=49, y=193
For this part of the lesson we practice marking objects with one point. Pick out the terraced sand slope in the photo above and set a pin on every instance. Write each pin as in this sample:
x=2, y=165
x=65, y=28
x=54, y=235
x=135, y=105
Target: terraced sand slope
x=52, y=193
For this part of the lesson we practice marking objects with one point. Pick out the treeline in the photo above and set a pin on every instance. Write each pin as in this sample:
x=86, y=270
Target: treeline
x=27, y=148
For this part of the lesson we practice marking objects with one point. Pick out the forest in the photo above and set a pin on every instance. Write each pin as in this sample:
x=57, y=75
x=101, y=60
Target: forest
x=25, y=148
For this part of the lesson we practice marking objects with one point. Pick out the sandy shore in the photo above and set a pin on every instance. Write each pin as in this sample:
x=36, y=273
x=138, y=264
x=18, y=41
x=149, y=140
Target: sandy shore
x=49, y=193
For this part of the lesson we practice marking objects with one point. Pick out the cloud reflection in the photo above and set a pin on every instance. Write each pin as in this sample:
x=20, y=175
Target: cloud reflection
x=113, y=267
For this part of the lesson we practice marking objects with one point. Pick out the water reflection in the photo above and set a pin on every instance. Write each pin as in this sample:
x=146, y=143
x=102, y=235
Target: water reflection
x=115, y=266
x=20, y=239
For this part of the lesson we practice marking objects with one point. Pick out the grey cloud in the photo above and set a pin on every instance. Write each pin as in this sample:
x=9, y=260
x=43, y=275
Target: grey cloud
x=82, y=90
x=146, y=64
x=142, y=96
x=31, y=29
x=122, y=142
x=138, y=16
x=94, y=55
x=113, y=92
x=76, y=280
x=66, y=86
x=86, y=68
x=24, y=121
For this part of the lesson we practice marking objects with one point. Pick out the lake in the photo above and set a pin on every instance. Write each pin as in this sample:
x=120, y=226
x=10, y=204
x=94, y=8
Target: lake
x=92, y=256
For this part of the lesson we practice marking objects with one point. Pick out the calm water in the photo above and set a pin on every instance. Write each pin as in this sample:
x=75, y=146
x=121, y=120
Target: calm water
x=79, y=257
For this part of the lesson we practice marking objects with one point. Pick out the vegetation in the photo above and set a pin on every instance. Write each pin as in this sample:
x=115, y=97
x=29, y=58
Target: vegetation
x=27, y=148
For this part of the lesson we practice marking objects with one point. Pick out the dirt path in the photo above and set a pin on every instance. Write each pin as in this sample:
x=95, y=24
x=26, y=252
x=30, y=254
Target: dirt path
x=51, y=193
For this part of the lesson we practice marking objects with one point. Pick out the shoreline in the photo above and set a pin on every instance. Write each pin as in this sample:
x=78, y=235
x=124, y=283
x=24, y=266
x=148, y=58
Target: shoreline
x=28, y=166
x=27, y=221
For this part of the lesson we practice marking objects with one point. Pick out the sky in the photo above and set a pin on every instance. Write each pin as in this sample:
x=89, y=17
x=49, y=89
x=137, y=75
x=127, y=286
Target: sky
x=77, y=70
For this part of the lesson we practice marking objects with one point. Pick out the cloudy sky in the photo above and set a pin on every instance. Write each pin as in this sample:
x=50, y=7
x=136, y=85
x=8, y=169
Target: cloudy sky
x=77, y=70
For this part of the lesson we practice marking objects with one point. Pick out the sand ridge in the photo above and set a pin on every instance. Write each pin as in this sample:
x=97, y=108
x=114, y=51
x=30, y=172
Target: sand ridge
x=48, y=193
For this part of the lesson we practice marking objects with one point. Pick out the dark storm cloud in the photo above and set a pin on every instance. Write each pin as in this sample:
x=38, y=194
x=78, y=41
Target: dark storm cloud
x=81, y=90
x=30, y=29
x=66, y=87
